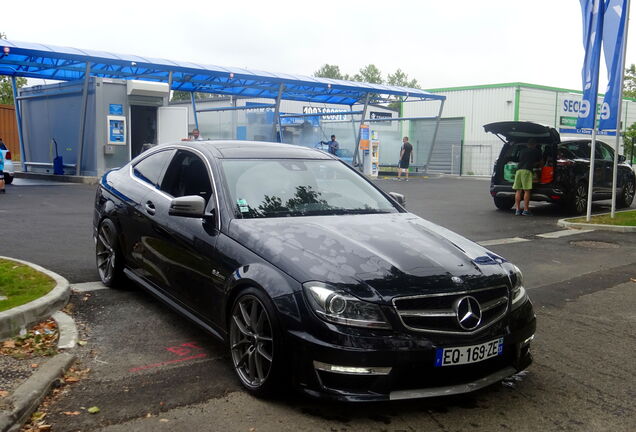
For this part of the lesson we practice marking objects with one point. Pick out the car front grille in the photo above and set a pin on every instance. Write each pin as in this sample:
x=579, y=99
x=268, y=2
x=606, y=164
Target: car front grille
x=436, y=313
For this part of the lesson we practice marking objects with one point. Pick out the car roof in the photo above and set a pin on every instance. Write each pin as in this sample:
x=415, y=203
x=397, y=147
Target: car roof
x=259, y=150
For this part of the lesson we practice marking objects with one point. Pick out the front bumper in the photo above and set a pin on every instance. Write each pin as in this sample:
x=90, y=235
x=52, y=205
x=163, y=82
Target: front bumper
x=370, y=370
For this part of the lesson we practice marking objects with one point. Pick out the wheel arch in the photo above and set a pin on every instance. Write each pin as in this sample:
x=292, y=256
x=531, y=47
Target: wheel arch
x=278, y=286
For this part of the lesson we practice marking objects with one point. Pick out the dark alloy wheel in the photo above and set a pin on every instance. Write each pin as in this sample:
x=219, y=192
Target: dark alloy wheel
x=627, y=196
x=504, y=203
x=253, y=342
x=107, y=256
x=578, y=200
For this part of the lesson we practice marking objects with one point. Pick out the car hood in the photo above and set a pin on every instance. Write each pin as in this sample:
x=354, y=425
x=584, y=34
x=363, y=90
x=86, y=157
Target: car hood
x=522, y=131
x=374, y=257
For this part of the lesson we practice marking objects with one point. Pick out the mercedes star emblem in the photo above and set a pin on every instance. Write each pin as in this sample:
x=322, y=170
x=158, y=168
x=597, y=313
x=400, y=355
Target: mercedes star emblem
x=468, y=313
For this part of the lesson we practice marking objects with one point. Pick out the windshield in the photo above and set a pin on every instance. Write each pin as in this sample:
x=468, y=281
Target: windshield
x=293, y=187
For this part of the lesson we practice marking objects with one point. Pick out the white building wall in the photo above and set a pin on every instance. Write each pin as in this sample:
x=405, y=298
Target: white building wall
x=478, y=106
x=538, y=106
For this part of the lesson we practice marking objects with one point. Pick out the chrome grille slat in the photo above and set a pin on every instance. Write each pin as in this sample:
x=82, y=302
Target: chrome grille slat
x=433, y=313
x=427, y=313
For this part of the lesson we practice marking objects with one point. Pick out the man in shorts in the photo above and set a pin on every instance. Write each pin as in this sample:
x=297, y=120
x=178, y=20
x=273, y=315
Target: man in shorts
x=406, y=157
x=529, y=158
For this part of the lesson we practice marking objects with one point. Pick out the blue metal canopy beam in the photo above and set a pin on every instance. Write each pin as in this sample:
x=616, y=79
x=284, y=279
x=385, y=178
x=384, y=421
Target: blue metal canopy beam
x=33, y=60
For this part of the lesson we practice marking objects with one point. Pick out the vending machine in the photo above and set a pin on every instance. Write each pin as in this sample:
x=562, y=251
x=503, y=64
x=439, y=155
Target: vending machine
x=370, y=148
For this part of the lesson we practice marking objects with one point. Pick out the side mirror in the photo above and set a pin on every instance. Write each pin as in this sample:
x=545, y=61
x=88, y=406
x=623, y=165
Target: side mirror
x=621, y=158
x=401, y=200
x=187, y=206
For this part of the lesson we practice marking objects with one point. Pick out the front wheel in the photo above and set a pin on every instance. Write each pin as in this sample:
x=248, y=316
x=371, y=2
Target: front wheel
x=577, y=202
x=108, y=257
x=255, y=342
x=627, y=195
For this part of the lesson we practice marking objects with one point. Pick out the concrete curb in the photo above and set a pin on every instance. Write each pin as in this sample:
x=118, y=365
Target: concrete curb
x=26, y=315
x=59, y=178
x=26, y=398
x=616, y=228
x=67, y=331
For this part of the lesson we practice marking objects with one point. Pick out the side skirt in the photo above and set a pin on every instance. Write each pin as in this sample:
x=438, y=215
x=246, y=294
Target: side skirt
x=164, y=298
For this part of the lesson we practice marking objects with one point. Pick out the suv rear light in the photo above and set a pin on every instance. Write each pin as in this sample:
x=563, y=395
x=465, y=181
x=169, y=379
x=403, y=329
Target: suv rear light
x=565, y=162
x=7, y=155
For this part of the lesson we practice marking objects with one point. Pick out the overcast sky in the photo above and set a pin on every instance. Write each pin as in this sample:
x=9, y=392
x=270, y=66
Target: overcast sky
x=440, y=43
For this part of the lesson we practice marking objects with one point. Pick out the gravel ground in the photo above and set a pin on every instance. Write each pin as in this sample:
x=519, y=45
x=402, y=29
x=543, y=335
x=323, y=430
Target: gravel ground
x=14, y=371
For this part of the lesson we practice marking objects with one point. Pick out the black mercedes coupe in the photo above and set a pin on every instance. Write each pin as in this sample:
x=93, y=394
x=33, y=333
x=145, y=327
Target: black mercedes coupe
x=314, y=277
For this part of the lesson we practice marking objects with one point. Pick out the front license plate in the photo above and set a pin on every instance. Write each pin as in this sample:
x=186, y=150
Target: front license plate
x=468, y=354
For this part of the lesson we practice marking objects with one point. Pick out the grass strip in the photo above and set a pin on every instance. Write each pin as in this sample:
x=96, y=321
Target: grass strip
x=625, y=218
x=20, y=284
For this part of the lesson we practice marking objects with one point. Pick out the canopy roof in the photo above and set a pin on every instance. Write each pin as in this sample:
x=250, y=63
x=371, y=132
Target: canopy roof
x=34, y=60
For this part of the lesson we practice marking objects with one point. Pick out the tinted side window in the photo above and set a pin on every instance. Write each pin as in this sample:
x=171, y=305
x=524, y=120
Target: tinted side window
x=149, y=169
x=187, y=175
x=580, y=150
x=604, y=152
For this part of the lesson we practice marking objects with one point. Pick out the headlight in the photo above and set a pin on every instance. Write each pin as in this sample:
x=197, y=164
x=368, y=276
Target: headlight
x=518, y=291
x=342, y=308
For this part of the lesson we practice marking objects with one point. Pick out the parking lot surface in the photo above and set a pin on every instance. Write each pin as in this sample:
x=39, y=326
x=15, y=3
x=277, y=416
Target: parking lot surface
x=152, y=370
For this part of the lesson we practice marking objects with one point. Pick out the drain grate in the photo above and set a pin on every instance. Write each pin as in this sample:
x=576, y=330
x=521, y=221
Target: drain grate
x=591, y=244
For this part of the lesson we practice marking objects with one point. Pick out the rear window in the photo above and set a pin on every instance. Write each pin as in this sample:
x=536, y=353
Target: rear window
x=511, y=152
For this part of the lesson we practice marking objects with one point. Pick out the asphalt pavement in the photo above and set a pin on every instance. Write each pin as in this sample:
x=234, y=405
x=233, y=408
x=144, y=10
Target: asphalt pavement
x=152, y=370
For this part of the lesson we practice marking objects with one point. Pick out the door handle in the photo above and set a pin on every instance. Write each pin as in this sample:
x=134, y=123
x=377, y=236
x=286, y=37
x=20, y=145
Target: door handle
x=150, y=208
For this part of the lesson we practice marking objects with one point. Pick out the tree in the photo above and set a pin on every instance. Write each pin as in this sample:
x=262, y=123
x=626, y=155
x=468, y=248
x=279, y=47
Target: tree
x=330, y=71
x=370, y=74
x=629, y=84
x=6, y=91
x=401, y=79
x=629, y=142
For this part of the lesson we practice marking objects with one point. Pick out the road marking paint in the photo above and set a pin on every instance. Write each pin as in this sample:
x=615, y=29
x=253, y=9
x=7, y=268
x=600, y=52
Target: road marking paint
x=509, y=240
x=564, y=233
x=88, y=287
x=165, y=363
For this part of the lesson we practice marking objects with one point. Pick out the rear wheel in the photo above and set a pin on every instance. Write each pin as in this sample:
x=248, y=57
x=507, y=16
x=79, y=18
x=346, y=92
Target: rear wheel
x=110, y=265
x=577, y=202
x=504, y=203
x=255, y=343
x=627, y=195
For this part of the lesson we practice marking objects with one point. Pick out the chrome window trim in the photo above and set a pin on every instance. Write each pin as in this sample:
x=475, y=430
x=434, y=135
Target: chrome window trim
x=444, y=312
x=169, y=197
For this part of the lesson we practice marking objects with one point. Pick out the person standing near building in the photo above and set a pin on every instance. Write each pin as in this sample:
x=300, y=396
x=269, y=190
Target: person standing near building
x=406, y=158
x=529, y=158
x=2, y=190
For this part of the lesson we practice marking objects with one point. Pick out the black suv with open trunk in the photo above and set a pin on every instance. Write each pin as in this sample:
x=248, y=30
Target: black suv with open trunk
x=564, y=175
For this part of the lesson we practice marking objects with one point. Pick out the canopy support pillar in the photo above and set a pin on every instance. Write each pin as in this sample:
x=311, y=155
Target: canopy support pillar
x=194, y=111
x=18, y=117
x=430, y=151
x=80, y=147
x=276, y=121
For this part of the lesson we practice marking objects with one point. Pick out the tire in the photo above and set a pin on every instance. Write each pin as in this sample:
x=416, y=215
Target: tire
x=255, y=343
x=108, y=257
x=8, y=178
x=627, y=195
x=577, y=201
x=504, y=203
